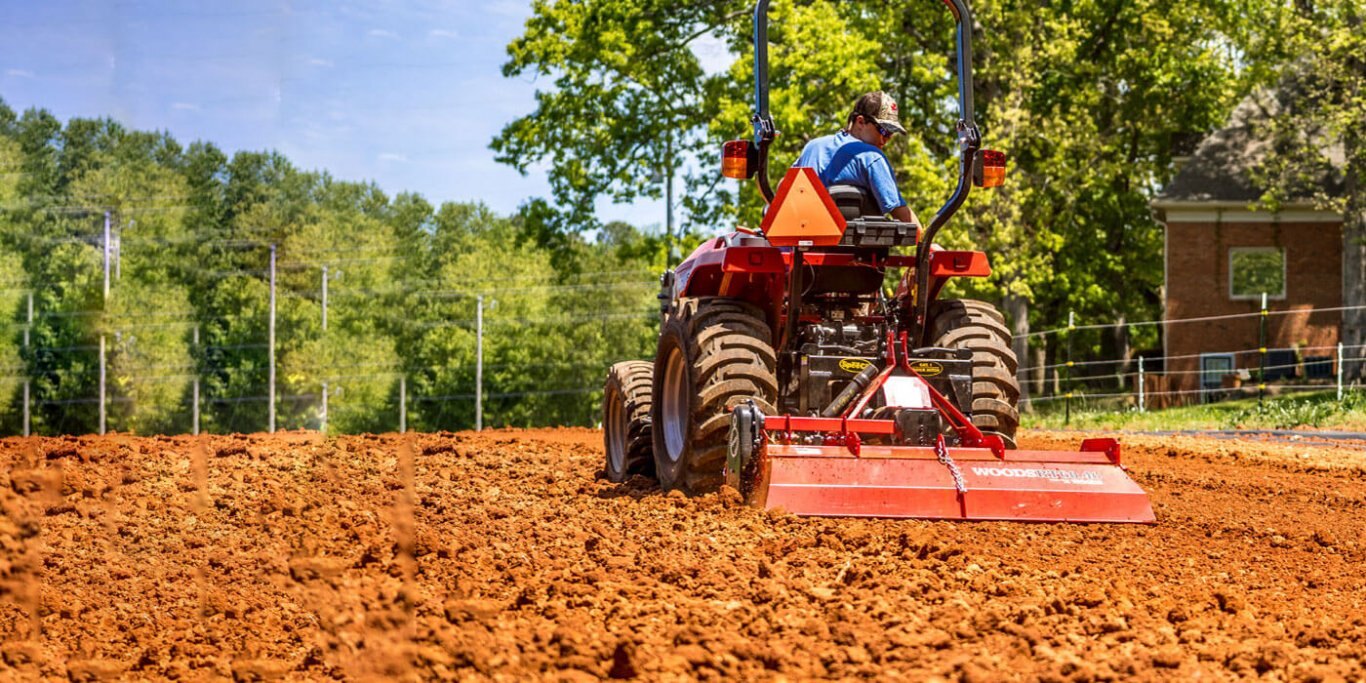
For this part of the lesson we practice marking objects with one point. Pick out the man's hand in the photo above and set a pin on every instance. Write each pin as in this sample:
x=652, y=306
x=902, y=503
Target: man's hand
x=904, y=214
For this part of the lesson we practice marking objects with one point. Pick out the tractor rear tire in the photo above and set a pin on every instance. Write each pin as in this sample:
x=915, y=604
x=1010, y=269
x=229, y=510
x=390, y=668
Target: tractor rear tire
x=978, y=326
x=626, y=430
x=713, y=355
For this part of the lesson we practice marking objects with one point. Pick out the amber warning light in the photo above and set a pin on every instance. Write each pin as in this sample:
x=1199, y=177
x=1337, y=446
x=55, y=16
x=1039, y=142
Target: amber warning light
x=990, y=169
x=736, y=160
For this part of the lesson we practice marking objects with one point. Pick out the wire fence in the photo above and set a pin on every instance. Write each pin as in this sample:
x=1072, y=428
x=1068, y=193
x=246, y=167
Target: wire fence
x=1213, y=373
x=1140, y=381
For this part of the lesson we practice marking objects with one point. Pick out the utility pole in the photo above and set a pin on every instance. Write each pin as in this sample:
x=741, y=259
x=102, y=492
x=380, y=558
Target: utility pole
x=194, y=411
x=324, y=298
x=402, y=404
x=106, y=307
x=28, y=411
x=323, y=426
x=271, y=342
x=106, y=257
x=479, y=364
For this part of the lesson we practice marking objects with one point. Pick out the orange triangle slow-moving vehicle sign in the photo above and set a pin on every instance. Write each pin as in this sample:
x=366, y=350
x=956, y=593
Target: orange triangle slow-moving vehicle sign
x=802, y=213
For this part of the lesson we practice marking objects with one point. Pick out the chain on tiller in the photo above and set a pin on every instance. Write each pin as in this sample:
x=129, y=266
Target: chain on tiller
x=941, y=451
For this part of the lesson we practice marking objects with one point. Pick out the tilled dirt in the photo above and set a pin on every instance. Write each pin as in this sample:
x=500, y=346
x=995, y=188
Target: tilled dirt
x=501, y=555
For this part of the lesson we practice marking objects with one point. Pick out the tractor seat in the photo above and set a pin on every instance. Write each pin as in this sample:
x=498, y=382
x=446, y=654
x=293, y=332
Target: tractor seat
x=868, y=226
x=855, y=201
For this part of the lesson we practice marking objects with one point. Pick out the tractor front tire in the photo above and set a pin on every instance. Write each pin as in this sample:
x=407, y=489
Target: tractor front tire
x=714, y=354
x=979, y=327
x=626, y=432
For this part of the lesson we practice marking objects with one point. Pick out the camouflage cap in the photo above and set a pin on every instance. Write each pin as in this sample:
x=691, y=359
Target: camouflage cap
x=880, y=107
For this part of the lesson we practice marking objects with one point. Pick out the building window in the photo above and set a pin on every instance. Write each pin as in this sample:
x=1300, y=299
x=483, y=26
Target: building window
x=1213, y=368
x=1254, y=271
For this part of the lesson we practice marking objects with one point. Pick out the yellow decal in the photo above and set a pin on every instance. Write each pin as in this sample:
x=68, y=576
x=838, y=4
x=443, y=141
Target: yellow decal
x=927, y=368
x=854, y=365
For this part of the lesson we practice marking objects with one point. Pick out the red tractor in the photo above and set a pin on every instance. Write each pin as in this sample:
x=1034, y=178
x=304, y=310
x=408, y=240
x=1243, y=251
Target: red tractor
x=787, y=372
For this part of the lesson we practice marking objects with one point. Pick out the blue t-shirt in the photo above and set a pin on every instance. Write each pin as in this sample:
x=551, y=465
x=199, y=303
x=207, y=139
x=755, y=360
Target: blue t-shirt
x=842, y=159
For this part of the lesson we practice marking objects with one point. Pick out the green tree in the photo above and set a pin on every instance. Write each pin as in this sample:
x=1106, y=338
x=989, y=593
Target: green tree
x=1317, y=50
x=355, y=356
x=146, y=317
x=624, y=107
x=1087, y=99
x=13, y=282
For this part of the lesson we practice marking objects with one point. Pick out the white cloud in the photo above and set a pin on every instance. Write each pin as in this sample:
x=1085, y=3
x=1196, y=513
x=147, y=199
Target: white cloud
x=184, y=106
x=382, y=33
x=315, y=61
x=390, y=156
x=442, y=33
x=20, y=73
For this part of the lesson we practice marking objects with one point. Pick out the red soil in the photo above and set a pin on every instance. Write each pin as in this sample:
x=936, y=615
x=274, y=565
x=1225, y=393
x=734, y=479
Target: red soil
x=500, y=555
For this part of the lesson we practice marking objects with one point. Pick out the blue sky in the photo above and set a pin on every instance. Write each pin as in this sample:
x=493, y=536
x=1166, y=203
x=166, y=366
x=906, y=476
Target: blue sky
x=405, y=93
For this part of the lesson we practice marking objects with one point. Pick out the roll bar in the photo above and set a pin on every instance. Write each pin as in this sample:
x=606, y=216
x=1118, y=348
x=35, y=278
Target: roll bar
x=969, y=137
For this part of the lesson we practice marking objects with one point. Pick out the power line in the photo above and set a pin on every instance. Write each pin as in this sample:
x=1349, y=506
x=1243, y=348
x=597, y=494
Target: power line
x=1201, y=319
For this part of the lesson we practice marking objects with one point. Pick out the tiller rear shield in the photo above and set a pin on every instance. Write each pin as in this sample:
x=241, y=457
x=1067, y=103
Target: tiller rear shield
x=939, y=482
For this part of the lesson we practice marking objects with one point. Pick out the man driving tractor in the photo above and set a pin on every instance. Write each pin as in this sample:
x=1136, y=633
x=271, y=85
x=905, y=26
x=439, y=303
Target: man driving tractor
x=854, y=155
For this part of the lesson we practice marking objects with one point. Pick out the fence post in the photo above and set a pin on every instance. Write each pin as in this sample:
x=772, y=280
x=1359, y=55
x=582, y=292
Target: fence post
x=479, y=364
x=402, y=404
x=1142, y=404
x=323, y=427
x=1261, y=349
x=1067, y=368
x=1340, y=359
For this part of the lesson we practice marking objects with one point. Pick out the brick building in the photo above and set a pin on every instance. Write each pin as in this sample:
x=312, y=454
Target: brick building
x=1223, y=251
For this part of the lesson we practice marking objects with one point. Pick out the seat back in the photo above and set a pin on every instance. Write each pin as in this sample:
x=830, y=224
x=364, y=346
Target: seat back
x=855, y=201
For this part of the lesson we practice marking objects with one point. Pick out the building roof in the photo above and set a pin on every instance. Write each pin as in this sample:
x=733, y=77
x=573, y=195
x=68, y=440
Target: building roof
x=1223, y=168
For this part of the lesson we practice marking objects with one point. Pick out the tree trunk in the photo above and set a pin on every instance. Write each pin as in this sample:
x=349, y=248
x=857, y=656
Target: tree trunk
x=1354, y=221
x=1354, y=275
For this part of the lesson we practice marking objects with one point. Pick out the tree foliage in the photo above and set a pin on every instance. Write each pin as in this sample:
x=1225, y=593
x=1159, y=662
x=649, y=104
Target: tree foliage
x=1317, y=51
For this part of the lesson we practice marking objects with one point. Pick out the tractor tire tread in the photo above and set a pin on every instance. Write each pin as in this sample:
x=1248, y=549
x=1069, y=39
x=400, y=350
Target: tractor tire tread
x=631, y=383
x=948, y=315
x=995, y=415
x=980, y=328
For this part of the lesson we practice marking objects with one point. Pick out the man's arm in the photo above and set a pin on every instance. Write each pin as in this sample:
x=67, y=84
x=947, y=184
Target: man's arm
x=882, y=181
x=904, y=214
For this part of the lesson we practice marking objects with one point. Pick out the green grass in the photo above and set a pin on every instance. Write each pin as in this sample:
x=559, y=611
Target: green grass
x=1317, y=410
